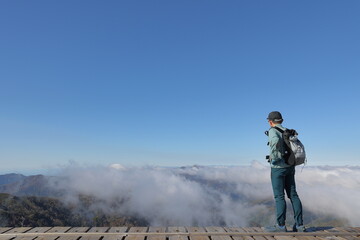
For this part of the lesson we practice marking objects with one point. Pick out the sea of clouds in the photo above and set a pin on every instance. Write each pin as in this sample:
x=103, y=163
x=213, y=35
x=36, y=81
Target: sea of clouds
x=213, y=195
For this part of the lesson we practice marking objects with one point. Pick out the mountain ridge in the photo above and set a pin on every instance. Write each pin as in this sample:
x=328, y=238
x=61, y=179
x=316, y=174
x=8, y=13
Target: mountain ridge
x=10, y=178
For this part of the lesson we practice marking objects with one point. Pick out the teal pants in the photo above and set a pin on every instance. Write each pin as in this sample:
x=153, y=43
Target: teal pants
x=284, y=179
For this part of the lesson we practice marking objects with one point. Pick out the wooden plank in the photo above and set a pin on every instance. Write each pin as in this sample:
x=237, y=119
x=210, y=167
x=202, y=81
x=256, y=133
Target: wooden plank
x=177, y=230
x=284, y=238
x=39, y=230
x=236, y=229
x=333, y=230
x=34, y=230
x=137, y=230
x=348, y=230
x=157, y=230
x=195, y=230
x=351, y=230
x=53, y=230
x=272, y=238
x=306, y=237
x=330, y=238
x=2, y=237
x=90, y=237
x=260, y=229
x=78, y=230
x=58, y=229
x=98, y=229
x=253, y=229
x=268, y=237
x=116, y=230
x=249, y=230
x=19, y=230
x=72, y=237
x=216, y=230
x=15, y=231
x=352, y=237
x=94, y=230
x=6, y=237
x=4, y=229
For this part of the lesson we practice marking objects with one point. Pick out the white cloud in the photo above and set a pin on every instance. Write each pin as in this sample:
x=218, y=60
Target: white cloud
x=233, y=196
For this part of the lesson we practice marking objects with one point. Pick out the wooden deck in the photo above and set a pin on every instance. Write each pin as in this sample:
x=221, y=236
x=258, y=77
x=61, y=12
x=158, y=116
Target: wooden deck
x=173, y=233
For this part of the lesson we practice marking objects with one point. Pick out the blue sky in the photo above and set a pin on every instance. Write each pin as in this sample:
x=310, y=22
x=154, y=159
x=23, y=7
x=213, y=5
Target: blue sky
x=175, y=83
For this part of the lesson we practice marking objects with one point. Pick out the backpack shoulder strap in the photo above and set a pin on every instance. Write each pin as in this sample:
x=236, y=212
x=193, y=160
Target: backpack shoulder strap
x=279, y=129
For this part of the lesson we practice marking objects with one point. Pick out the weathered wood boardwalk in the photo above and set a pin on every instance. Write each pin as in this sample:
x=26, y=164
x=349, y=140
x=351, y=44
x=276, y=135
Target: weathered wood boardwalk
x=173, y=233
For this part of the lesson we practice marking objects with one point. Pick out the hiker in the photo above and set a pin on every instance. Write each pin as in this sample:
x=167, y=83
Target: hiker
x=282, y=178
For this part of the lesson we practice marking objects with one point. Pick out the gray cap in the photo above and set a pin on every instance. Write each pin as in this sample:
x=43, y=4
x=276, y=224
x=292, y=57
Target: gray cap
x=275, y=116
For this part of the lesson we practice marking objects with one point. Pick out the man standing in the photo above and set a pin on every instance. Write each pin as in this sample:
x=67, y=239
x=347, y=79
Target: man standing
x=282, y=178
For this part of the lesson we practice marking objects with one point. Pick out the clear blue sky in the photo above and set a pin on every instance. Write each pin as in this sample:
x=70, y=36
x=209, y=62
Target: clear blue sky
x=174, y=83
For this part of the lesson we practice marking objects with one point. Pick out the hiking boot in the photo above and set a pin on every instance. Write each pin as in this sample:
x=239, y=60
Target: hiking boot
x=300, y=228
x=275, y=228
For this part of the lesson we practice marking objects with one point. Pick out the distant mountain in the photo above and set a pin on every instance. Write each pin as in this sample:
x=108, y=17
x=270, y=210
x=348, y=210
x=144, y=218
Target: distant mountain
x=32, y=211
x=20, y=185
x=11, y=178
x=44, y=211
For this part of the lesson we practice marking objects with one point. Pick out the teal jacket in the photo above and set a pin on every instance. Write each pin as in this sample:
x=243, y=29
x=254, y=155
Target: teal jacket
x=277, y=148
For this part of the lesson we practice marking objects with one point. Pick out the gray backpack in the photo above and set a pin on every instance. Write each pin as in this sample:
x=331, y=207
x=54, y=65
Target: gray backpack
x=294, y=149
